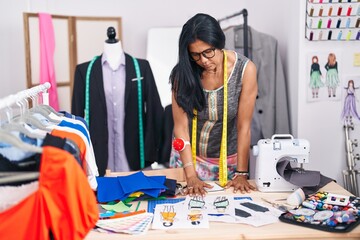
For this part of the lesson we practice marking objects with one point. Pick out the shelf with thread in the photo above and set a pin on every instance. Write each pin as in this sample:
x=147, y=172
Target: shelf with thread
x=331, y=10
x=333, y=34
x=332, y=20
x=333, y=23
x=331, y=1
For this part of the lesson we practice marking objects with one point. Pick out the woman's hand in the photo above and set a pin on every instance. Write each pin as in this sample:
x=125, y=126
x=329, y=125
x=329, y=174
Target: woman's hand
x=195, y=186
x=240, y=183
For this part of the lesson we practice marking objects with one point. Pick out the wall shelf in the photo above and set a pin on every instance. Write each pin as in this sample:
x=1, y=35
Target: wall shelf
x=332, y=20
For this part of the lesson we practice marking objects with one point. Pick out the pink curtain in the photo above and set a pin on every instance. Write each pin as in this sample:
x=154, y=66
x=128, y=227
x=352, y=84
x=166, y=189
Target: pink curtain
x=47, y=49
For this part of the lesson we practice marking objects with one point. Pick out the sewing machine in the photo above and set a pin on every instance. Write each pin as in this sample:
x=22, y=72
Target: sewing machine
x=269, y=152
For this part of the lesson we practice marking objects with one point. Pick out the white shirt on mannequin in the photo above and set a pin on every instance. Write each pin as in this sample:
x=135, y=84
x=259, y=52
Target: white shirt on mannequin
x=113, y=52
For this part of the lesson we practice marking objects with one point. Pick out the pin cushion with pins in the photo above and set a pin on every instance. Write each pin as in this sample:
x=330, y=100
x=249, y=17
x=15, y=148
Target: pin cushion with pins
x=326, y=211
x=179, y=144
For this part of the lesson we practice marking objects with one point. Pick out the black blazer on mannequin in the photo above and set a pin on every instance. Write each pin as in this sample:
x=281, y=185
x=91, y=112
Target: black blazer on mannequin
x=152, y=112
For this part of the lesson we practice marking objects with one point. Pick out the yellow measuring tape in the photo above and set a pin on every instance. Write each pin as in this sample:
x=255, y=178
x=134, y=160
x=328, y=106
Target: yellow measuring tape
x=223, y=147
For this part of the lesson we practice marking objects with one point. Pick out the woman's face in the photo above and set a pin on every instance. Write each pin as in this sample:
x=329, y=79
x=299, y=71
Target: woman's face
x=205, y=55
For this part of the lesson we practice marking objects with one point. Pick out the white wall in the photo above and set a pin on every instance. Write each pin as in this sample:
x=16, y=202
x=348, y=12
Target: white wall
x=319, y=122
x=284, y=19
x=138, y=17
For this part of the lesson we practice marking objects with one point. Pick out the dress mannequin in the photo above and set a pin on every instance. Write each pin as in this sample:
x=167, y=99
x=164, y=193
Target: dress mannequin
x=113, y=105
x=113, y=49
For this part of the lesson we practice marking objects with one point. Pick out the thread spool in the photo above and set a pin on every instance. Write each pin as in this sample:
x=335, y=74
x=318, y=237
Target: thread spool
x=339, y=11
x=329, y=23
x=321, y=11
x=311, y=35
x=308, y=205
x=338, y=23
x=339, y=35
x=357, y=23
x=348, y=23
x=320, y=23
x=358, y=35
x=311, y=11
x=320, y=35
x=329, y=35
x=348, y=13
x=330, y=11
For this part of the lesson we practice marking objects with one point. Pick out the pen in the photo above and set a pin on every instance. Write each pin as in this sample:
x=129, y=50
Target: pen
x=138, y=205
x=121, y=215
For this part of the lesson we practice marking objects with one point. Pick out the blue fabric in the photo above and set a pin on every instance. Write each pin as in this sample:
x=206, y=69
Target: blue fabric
x=119, y=188
x=109, y=189
x=139, y=182
x=155, y=181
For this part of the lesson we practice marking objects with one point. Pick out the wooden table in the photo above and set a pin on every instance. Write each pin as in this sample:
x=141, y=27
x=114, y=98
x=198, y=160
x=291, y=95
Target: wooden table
x=222, y=231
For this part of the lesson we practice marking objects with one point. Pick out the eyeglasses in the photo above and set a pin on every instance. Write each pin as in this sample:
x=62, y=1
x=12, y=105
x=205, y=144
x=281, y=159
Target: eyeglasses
x=208, y=53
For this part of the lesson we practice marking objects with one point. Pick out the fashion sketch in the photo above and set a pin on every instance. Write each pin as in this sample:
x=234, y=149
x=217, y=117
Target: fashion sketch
x=168, y=215
x=315, y=77
x=349, y=109
x=332, y=75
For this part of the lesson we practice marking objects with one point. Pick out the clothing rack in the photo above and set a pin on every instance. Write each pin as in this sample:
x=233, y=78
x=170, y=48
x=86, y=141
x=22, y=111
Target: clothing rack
x=243, y=12
x=31, y=92
x=7, y=102
x=350, y=174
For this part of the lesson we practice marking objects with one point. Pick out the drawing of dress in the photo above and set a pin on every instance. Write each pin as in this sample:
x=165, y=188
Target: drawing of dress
x=332, y=78
x=221, y=204
x=349, y=109
x=168, y=216
x=315, y=79
x=195, y=216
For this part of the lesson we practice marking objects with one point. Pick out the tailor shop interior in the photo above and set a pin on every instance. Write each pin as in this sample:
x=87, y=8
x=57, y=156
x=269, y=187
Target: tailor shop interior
x=110, y=163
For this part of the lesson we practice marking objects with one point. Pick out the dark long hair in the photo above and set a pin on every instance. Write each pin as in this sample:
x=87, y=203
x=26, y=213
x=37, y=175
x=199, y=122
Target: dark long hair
x=185, y=76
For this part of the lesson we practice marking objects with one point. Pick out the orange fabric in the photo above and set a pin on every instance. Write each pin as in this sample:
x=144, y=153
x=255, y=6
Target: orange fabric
x=64, y=203
x=77, y=139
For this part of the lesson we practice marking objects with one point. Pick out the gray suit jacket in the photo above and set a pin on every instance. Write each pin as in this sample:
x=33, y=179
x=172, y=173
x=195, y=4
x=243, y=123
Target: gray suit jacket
x=271, y=115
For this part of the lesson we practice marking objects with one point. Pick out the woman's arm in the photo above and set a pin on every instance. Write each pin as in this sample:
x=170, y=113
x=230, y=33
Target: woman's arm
x=245, y=111
x=181, y=130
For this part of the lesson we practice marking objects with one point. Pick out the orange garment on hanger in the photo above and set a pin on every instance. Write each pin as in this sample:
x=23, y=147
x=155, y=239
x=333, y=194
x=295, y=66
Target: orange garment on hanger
x=64, y=203
x=77, y=139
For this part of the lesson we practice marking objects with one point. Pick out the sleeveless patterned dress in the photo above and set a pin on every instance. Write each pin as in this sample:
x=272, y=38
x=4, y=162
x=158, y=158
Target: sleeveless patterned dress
x=209, y=128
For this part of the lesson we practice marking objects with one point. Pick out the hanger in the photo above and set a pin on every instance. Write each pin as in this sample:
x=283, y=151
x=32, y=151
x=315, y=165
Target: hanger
x=48, y=112
x=9, y=177
x=43, y=109
x=27, y=117
x=24, y=129
x=20, y=126
x=7, y=137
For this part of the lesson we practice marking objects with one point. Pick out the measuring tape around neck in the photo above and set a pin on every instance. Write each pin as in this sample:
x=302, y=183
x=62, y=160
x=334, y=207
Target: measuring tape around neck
x=223, y=147
x=87, y=104
x=87, y=91
x=140, y=102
